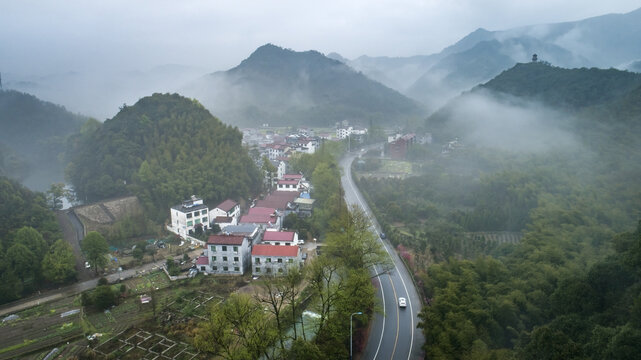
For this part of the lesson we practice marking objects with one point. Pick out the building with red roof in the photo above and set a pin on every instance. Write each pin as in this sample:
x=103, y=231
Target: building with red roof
x=273, y=259
x=287, y=238
x=227, y=208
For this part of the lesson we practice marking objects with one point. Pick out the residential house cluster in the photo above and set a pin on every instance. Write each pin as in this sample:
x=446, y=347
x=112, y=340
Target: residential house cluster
x=253, y=241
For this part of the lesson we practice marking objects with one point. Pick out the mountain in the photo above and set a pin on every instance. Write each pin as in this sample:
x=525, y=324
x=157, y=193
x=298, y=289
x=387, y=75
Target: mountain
x=32, y=138
x=582, y=101
x=603, y=41
x=283, y=87
x=163, y=149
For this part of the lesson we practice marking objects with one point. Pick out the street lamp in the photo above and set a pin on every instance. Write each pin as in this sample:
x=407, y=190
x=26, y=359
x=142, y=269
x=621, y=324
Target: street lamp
x=350, y=332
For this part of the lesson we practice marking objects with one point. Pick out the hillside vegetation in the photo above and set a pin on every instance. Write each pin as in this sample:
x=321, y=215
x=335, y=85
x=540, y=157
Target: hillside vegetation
x=162, y=149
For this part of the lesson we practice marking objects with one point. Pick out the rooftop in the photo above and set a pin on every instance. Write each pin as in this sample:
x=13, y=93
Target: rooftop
x=275, y=250
x=223, y=219
x=227, y=205
x=259, y=210
x=257, y=219
x=278, y=236
x=242, y=229
x=225, y=239
x=203, y=260
x=287, y=182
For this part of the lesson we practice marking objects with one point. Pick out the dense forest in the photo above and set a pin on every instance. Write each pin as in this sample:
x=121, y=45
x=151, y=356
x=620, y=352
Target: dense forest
x=32, y=140
x=162, y=149
x=528, y=254
x=31, y=252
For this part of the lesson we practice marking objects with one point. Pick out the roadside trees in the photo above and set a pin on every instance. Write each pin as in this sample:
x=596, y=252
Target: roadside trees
x=95, y=247
x=59, y=263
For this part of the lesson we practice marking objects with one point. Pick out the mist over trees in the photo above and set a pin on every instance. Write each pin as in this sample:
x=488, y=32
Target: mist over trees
x=162, y=149
x=512, y=243
x=32, y=140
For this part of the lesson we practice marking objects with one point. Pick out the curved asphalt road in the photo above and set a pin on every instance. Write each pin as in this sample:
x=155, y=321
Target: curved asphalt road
x=393, y=334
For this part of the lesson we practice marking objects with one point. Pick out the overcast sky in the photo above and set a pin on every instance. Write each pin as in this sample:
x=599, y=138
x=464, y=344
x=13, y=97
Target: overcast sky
x=43, y=37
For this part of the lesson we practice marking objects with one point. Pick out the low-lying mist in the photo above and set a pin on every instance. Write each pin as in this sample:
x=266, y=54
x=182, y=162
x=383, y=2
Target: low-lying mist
x=511, y=124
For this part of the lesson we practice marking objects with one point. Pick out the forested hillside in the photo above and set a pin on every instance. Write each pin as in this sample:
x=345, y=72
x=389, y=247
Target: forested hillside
x=32, y=139
x=564, y=284
x=283, y=87
x=31, y=253
x=567, y=88
x=162, y=149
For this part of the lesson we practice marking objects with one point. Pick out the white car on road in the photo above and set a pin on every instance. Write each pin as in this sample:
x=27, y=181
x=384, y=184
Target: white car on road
x=402, y=302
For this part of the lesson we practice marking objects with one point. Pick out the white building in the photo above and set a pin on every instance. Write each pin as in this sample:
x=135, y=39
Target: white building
x=227, y=208
x=226, y=254
x=344, y=132
x=188, y=215
x=272, y=259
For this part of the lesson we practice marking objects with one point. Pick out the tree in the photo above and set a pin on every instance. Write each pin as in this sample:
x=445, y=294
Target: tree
x=104, y=297
x=59, y=264
x=55, y=194
x=22, y=261
x=95, y=247
x=33, y=240
x=269, y=172
x=238, y=329
x=352, y=241
x=274, y=295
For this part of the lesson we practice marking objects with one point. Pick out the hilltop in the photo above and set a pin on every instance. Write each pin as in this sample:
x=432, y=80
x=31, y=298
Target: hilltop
x=580, y=100
x=284, y=87
x=162, y=149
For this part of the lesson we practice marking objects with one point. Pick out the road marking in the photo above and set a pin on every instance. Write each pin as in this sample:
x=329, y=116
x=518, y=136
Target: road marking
x=398, y=316
x=348, y=175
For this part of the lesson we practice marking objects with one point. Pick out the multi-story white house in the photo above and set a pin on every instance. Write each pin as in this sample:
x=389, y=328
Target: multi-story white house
x=227, y=254
x=272, y=259
x=286, y=238
x=188, y=215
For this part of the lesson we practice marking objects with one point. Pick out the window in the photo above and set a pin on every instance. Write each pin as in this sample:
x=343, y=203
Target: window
x=196, y=213
x=213, y=248
x=268, y=270
x=214, y=268
x=268, y=260
x=224, y=258
x=225, y=268
x=197, y=221
x=202, y=268
x=190, y=223
x=224, y=248
x=280, y=270
x=257, y=261
x=204, y=220
x=235, y=248
x=204, y=211
x=236, y=258
x=213, y=258
x=257, y=269
x=290, y=260
x=280, y=261
x=236, y=268
x=277, y=243
x=189, y=216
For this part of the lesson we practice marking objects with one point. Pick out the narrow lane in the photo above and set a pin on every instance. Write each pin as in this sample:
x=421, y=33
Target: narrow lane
x=393, y=334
